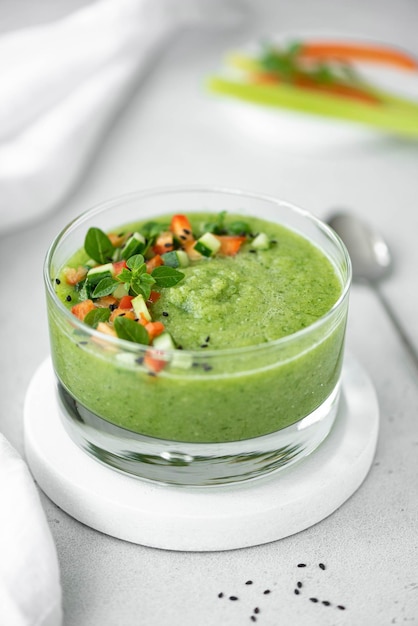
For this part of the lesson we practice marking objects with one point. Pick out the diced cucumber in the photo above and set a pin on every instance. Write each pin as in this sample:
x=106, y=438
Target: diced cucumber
x=120, y=291
x=207, y=245
x=96, y=274
x=261, y=242
x=135, y=244
x=164, y=342
x=140, y=307
x=175, y=258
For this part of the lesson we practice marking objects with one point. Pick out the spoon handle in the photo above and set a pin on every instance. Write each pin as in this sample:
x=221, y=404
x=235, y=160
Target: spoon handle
x=397, y=324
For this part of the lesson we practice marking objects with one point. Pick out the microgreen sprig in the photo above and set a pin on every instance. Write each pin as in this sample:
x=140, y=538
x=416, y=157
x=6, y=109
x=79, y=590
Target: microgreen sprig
x=137, y=280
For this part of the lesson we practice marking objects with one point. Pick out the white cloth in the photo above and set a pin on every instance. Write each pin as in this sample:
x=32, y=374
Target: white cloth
x=30, y=591
x=63, y=82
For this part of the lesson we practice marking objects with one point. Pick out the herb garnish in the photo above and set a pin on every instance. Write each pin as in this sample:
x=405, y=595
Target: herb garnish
x=130, y=331
x=94, y=317
x=98, y=245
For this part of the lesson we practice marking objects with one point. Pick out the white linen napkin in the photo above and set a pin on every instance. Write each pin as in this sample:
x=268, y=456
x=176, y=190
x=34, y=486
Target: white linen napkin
x=30, y=591
x=63, y=82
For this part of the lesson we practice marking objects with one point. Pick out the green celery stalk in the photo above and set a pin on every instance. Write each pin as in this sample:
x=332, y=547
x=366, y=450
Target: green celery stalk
x=393, y=116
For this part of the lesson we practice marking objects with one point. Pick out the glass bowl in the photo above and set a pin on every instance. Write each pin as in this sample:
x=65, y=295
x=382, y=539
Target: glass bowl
x=209, y=417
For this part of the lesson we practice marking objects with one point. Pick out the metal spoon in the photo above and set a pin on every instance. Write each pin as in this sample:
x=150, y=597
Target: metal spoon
x=371, y=261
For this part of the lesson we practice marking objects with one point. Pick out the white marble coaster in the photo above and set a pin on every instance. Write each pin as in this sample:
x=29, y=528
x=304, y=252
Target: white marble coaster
x=208, y=518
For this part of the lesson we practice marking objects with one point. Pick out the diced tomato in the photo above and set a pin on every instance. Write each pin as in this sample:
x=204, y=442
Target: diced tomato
x=181, y=228
x=73, y=276
x=81, y=309
x=152, y=362
x=117, y=312
x=154, y=262
x=106, y=301
x=126, y=302
x=164, y=243
x=154, y=296
x=118, y=267
x=154, y=329
x=230, y=244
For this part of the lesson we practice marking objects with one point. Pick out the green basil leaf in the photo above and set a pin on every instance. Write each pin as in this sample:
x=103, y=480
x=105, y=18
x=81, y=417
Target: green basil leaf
x=150, y=230
x=94, y=317
x=84, y=290
x=130, y=330
x=166, y=276
x=98, y=245
x=105, y=287
x=136, y=262
x=142, y=284
x=124, y=276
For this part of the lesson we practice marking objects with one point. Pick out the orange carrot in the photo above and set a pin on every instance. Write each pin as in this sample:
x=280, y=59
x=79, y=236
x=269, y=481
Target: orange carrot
x=81, y=309
x=305, y=82
x=154, y=262
x=152, y=362
x=372, y=53
x=230, y=244
x=154, y=329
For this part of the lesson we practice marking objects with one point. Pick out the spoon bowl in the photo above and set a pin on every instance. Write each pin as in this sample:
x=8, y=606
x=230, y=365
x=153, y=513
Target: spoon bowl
x=369, y=252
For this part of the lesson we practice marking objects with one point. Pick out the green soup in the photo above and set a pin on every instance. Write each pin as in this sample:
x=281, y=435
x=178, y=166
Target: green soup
x=239, y=381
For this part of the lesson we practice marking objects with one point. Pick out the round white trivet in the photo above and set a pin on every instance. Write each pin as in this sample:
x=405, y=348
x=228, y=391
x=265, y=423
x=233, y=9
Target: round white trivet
x=207, y=518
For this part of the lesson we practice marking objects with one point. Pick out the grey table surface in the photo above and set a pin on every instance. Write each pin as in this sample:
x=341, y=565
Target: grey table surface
x=172, y=132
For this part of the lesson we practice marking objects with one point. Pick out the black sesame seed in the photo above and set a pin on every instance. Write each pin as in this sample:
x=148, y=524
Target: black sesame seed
x=326, y=603
x=301, y=564
x=179, y=347
x=194, y=364
x=183, y=237
x=204, y=345
x=207, y=339
x=122, y=315
x=266, y=592
x=151, y=374
x=313, y=599
x=82, y=343
x=139, y=360
x=57, y=280
x=233, y=598
x=187, y=231
x=253, y=618
x=168, y=245
x=297, y=592
x=299, y=585
x=341, y=607
x=113, y=306
x=120, y=234
x=68, y=298
x=207, y=368
x=249, y=582
x=220, y=595
x=322, y=566
x=165, y=314
x=256, y=610
x=252, y=251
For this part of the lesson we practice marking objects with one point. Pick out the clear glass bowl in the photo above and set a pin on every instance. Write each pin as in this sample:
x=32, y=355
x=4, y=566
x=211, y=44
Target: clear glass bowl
x=256, y=409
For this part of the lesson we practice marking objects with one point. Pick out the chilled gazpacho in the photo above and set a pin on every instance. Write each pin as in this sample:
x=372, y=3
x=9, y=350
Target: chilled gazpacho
x=202, y=303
